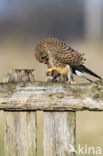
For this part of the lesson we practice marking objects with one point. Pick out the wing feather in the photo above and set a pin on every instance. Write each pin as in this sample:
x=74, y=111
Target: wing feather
x=62, y=53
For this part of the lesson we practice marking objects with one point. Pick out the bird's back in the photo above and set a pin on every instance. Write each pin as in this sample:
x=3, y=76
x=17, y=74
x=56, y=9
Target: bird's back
x=58, y=50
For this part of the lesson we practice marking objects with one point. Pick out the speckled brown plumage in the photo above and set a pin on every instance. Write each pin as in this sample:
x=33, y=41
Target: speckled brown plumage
x=58, y=55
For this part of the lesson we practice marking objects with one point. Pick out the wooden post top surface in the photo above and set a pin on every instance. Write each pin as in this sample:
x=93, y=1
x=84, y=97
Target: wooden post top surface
x=48, y=95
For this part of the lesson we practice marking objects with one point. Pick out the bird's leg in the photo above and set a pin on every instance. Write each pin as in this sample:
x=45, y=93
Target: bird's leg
x=63, y=78
x=50, y=70
x=70, y=77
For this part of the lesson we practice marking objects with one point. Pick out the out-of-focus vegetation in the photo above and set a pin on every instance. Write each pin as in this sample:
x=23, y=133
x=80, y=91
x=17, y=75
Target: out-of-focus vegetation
x=24, y=23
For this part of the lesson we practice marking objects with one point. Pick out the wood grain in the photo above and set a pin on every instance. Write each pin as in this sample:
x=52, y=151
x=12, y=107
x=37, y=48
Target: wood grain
x=51, y=96
x=59, y=133
x=20, y=127
x=20, y=134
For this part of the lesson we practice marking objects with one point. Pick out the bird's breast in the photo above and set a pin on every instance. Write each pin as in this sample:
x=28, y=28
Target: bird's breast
x=63, y=70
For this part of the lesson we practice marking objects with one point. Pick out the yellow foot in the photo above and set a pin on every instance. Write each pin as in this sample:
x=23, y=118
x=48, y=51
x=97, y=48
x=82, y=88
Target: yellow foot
x=50, y=70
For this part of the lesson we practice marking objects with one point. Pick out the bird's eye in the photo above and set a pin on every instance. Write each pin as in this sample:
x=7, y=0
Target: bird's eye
x=43, y=57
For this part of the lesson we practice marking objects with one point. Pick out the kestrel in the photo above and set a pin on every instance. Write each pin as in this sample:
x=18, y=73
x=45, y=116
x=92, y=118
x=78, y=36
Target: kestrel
x=62, y=59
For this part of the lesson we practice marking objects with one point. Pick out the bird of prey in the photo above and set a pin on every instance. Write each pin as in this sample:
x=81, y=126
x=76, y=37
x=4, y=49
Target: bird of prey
x=62, y=59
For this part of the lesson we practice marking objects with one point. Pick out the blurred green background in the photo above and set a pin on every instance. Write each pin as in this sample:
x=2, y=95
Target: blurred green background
x=79, y=23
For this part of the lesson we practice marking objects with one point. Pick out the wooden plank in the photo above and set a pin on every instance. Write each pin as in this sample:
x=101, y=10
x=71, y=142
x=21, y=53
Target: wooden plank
x=20, y=134
x=59, y=133
x=20, y=126
x=51, y=96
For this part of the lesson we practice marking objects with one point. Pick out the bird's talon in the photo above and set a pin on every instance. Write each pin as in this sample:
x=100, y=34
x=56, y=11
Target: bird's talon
x=50, y=70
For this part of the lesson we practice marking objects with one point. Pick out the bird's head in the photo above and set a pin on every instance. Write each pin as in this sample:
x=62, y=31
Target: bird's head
x=41, y=54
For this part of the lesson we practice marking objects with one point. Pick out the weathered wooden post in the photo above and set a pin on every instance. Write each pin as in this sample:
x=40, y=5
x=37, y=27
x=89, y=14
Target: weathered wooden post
x=58, y=101
x=20, y=126
x=59, y=133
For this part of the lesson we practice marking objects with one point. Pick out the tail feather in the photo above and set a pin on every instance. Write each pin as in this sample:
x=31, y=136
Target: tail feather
x=82, y=75
x=82, y=69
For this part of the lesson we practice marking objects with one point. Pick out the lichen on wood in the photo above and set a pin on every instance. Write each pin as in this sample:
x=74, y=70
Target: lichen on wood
x=51, y=96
